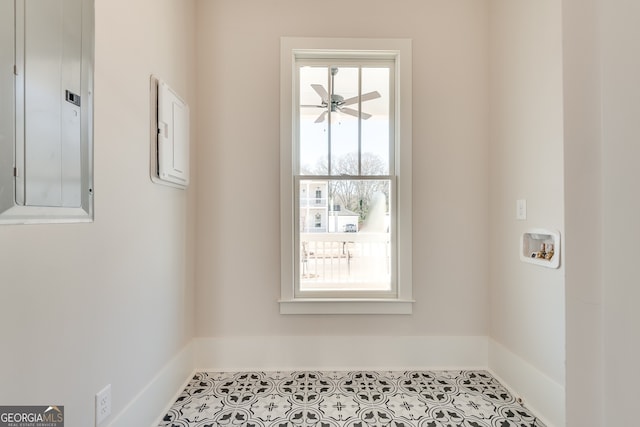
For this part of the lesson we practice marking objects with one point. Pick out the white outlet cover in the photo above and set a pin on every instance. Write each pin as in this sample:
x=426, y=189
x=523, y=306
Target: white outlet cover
x=103, y=404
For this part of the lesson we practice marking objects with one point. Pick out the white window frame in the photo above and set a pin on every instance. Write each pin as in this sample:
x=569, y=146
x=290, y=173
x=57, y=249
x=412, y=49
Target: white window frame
x=293, y=49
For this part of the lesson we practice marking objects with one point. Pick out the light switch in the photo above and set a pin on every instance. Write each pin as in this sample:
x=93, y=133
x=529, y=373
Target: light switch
x=521, y=209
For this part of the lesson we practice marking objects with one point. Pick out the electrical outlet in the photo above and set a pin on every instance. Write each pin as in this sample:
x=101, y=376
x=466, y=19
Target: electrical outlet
x=103, y=404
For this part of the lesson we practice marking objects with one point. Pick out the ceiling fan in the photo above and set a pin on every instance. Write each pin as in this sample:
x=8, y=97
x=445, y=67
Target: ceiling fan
x=337, y=103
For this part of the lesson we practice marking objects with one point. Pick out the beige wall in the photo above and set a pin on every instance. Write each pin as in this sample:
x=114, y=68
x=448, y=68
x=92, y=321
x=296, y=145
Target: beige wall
x=583, y=214
x=238, y=265
x=620, y=208
x=526, y=162
x=109, y=302
x=603, y=207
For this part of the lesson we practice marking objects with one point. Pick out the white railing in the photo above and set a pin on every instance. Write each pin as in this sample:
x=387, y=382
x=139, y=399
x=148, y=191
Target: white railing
x=345, y=261
x=313, y=202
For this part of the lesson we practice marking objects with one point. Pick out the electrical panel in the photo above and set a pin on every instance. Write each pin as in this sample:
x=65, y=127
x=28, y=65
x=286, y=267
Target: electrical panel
x=172, y=138
x=48, y=74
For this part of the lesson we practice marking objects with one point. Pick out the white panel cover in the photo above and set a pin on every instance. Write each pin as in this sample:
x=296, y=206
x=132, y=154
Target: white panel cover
x=48, y=66
x=173, y=137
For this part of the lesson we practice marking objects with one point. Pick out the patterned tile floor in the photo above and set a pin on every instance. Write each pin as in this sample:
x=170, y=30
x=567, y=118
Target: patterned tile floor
x=350, y=399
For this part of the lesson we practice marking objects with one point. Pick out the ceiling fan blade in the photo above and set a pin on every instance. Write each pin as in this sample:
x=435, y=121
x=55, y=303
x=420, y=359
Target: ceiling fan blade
x=321, y=117
x=320, y=90
x=352, y=112
x=366, y=97
x=313, y=106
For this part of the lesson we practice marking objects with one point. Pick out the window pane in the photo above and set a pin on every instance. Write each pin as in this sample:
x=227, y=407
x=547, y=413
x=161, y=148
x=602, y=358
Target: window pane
x=314, y=138
x=344, y=235
x=375, y=129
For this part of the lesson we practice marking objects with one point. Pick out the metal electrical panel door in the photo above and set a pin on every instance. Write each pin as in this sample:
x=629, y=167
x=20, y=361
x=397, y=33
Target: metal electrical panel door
x=173, y=137
x=7, y=105
x=48, y=103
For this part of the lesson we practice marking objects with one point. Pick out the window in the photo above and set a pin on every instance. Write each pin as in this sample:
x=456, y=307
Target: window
x=346, y=136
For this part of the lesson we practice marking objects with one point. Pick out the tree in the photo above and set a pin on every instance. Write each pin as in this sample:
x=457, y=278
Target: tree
x=357, y=195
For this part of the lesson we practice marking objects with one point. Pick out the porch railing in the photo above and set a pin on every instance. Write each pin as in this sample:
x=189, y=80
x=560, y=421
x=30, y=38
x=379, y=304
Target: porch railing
x=345, y=261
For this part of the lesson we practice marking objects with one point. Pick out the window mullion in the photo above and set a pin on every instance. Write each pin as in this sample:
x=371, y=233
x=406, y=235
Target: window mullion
x=359, y=120
x=329, y=115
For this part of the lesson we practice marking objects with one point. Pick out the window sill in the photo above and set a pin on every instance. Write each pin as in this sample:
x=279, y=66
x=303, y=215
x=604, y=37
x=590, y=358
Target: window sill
x=345, y=306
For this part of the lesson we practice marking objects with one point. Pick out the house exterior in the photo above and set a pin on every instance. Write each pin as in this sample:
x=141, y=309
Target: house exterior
x=343, y=220
x=314, y=206
x=318, y=214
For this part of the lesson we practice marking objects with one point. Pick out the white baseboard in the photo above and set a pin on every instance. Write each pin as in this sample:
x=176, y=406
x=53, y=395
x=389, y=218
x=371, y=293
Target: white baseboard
x=156, y=397
x=541, y=394
x=340, y=353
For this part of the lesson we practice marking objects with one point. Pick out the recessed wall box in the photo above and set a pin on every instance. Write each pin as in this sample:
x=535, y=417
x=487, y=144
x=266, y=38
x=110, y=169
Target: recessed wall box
x=541, y=247
x=170, y=147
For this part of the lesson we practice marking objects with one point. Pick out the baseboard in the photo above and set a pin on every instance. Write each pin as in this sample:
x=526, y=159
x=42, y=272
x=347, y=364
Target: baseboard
x=541, y=394
x=340, y=353
x=160, y=393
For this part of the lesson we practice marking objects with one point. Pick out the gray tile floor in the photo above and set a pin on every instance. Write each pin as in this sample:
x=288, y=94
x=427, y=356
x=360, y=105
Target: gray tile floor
x=354, y=399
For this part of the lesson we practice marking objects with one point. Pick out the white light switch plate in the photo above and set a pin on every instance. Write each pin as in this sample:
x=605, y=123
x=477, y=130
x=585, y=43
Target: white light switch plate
x=521, y=209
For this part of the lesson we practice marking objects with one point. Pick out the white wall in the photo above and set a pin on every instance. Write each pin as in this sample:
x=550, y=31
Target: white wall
x=238, y=272
x=109, y=302
x=526, y=162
